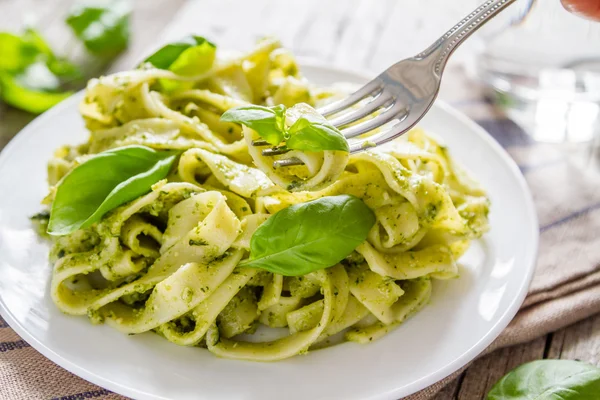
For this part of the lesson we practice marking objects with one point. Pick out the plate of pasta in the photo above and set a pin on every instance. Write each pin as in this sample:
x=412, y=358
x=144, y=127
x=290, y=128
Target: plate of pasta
x=151, y=246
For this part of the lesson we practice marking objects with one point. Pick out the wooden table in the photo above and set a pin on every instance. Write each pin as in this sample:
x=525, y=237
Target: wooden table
x=364, y=35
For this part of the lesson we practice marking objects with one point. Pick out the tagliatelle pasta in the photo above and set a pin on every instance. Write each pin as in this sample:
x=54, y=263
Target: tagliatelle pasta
x=168, y=261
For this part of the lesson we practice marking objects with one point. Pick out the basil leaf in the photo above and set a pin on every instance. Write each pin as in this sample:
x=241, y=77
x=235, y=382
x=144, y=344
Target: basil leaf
x=59, y=66
x=102, y=26
x=549, y=379
x=33, y=38
x=191, y=55
x=312, y=132
x=16, y=53
x=310, y=236
x=268, y=122
x=103, y=182
x=35, y=90
x=32, y=77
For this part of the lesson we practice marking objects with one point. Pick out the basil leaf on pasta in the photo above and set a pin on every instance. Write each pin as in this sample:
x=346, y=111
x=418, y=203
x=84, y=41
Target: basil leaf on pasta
x=102, y=26
x=310, y=236
x=546, y=379
x=268, y=122
x=192, y=55
x=104, y=182
x=312, y=132
x=309, y=130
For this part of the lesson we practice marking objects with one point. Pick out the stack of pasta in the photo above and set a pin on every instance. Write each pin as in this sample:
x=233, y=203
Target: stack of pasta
x=169, y=260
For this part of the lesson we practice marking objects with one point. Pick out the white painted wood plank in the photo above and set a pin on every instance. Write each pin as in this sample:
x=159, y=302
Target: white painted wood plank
x=311, y=28
x=361, y=34
x=230, y=23
x=414, y=25
x=15, y=12
x=286, y=18
x=322, y=30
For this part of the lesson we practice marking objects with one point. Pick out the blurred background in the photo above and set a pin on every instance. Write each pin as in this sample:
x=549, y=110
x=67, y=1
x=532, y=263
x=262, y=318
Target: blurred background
x=536, y=63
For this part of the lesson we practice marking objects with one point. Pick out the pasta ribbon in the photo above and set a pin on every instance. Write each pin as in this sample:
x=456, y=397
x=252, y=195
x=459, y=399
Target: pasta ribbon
x=320, y=169
x=173, y=260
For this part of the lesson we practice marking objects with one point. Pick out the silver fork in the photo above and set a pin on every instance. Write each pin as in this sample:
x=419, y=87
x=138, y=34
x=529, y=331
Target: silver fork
x=404, y=92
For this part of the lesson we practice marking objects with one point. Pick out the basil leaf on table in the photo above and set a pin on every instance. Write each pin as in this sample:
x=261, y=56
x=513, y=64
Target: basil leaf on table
x=192, y=55
x=31, y=48
x=104, y=182
x=35, y=90
x=268, y=122
x=102, y=25
x=549, y=379
x=32, y=77
x=16, y=52
x=59, y=66
x=310, y=236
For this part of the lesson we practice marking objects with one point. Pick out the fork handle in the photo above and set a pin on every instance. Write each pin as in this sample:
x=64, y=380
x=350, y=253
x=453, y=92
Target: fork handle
x=444, y=46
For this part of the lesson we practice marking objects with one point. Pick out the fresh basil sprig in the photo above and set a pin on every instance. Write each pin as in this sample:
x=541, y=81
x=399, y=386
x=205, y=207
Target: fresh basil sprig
x=104, y=182
x=32, y=77
x=192, y=55
x=102, y=25
x=310, y=131
x=549, y=379
x=310, y=236
x=269, y=122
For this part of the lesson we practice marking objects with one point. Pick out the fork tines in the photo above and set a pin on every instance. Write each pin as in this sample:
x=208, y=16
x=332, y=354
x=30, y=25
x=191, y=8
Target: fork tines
x=383, y=106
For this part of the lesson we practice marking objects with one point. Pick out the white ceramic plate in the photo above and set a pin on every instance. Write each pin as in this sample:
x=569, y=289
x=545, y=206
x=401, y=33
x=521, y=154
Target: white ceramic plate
x=464, y=316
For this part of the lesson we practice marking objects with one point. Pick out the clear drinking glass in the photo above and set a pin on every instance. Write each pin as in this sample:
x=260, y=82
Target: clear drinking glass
x=544, y=66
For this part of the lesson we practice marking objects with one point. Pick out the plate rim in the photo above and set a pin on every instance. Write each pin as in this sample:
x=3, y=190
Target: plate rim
x=413, y=387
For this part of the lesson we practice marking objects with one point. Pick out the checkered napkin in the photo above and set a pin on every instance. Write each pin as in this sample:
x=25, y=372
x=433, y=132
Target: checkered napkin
x=565, y=182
